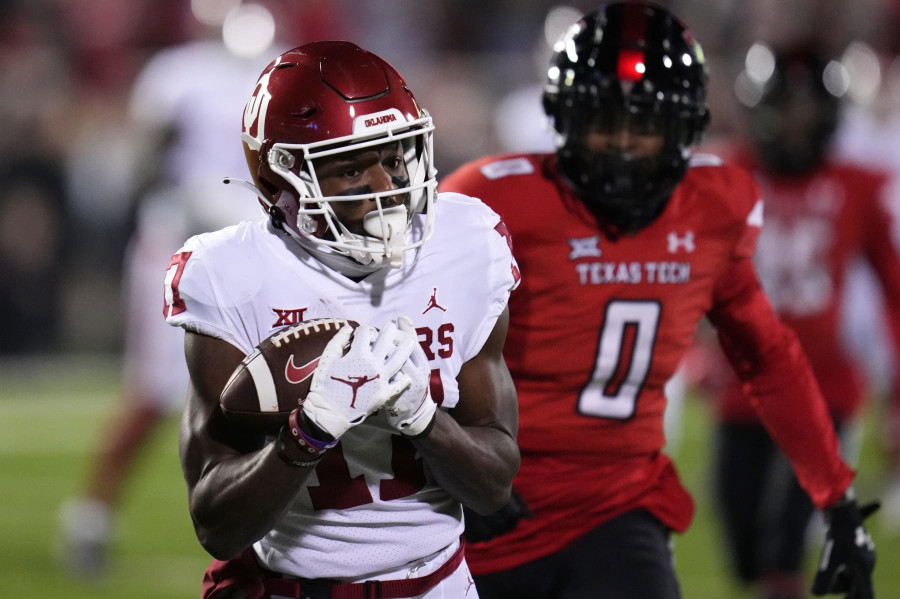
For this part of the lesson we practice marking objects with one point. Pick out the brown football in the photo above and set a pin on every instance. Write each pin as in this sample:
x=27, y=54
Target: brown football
x=270, y=382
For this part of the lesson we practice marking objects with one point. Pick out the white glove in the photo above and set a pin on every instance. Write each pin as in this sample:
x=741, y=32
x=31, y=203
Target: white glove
x=413, y=411
x=345, y=389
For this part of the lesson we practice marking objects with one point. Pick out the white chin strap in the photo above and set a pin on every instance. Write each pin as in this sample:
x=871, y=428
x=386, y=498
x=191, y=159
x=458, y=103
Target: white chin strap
x=388, y=228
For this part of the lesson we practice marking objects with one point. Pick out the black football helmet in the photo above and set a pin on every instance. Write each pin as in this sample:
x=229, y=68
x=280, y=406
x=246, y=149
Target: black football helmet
x=794, y=96
x=632, y=65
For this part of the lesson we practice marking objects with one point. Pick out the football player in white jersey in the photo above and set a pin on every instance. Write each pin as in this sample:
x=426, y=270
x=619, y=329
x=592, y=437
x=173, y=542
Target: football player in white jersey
x=361, y=493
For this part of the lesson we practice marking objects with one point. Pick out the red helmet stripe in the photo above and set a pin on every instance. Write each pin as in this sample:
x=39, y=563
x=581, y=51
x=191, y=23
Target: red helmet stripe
x=631, y=64
x=634, y=25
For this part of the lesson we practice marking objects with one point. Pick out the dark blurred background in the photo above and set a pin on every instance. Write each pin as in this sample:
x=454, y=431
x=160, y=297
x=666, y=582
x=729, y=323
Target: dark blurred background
x=73, y=162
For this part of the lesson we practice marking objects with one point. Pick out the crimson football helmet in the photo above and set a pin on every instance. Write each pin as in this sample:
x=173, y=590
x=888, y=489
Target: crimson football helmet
x=327, y=98
x=633, y=66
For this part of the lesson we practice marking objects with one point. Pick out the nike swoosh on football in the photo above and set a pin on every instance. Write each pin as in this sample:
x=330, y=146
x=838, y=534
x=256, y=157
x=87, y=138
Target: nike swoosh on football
x=295, y=374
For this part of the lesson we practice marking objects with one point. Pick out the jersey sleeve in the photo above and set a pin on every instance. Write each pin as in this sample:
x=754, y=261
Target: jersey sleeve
x=777, y=377
x=197, y=301
x=746, y=245
x=501, y=270
x=747, y=201
x=728, y=200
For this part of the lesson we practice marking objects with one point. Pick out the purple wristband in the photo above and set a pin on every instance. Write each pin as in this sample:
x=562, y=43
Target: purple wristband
x=312, y=445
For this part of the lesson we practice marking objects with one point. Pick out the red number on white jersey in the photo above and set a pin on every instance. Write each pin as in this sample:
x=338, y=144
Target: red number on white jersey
x=174, y=304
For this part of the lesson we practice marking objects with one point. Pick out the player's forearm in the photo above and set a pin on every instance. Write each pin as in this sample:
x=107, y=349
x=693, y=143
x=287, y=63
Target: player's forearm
x=769, y=359
x=239, y=500
x=476, y=465
x=790, y=405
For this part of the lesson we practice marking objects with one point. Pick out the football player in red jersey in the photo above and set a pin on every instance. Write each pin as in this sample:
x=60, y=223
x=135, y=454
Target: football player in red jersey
x=625, y=242
x=820, y=214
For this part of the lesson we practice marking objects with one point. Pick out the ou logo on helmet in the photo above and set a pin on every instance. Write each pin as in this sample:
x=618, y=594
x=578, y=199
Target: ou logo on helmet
x=255, y=112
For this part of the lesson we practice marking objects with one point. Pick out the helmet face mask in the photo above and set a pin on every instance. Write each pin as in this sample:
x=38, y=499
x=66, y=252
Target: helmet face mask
x=317, y=212
x=634, y=68
x=328, y=103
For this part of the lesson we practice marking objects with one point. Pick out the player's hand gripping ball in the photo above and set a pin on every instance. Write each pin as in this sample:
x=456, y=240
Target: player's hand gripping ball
x=337, y=371
x=412, y=413
x=349, y=386
x=275, y=378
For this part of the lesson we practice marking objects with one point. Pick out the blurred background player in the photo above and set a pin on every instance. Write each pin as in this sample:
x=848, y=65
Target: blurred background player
x=820, y=214
x=648, y=241
x=869, y=134
x=183, y=105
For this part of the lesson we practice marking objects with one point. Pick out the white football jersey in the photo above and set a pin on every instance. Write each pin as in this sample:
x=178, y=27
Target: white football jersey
x=369, y=506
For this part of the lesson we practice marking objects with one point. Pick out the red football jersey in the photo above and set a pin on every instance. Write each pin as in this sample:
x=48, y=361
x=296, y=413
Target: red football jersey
x=815, y=225
x=598, y=326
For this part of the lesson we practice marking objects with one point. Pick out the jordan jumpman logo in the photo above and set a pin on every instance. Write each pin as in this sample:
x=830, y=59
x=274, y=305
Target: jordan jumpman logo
x=469, y=583
x=355, y=383
x=432, y=303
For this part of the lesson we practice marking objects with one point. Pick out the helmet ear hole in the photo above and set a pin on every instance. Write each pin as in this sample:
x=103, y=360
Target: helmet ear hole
x=276, y=218
x=268, y=188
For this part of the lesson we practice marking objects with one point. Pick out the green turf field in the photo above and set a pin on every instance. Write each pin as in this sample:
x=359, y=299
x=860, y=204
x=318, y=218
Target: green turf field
x=53, y=416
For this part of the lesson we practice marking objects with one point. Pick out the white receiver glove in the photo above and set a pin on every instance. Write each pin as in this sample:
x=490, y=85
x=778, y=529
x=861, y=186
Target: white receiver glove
x=345, y=389
x=413, y=411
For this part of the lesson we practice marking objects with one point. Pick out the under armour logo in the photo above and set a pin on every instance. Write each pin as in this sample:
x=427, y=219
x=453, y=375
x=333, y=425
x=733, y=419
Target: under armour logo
x=432, y=303
x=355, y=383
x=686, y=242
x=586, y=247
